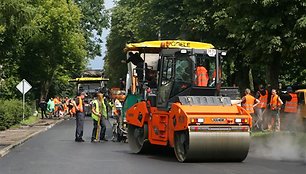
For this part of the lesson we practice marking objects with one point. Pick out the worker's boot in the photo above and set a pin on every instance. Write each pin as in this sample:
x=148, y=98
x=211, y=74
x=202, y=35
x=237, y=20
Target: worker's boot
x=94, y=141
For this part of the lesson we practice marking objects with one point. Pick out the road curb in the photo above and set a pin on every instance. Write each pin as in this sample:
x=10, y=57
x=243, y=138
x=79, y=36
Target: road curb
x=7, y=149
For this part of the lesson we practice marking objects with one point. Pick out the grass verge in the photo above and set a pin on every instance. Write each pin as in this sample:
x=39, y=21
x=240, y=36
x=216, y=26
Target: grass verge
x=298, y=137
x=29, y=121
x=261, y=134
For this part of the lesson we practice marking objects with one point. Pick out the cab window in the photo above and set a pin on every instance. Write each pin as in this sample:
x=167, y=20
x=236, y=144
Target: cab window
x=183, y=74
x=183, y=69
x=167, y=72
x=209, y=63
x=166, y=81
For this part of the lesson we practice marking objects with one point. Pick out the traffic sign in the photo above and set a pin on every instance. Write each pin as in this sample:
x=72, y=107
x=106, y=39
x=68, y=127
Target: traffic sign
x=23, y=86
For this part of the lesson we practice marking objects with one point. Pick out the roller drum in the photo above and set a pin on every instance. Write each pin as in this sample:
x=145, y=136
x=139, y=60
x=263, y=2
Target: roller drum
x=229, y=146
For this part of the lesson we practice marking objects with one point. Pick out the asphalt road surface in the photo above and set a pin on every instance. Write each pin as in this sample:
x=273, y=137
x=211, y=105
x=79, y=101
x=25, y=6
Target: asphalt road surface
x=55, y=152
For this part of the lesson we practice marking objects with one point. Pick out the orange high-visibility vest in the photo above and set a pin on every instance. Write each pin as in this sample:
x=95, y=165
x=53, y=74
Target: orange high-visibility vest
x=274, y=102
x=292, y=105
x=263, y=100
x=65, y=107
x=202, y=76
x=56, y=102
x=73, y=111
x=80, y=106
x=249, y=102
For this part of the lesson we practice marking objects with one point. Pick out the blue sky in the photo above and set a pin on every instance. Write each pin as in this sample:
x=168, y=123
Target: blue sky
x=98, y=62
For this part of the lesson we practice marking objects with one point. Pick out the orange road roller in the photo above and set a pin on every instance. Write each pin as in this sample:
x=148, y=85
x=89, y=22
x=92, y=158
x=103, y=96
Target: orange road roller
x=175, y=98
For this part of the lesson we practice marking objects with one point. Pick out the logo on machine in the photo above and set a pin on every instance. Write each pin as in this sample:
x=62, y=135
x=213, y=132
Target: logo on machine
x=168, y=44
x=218, y=119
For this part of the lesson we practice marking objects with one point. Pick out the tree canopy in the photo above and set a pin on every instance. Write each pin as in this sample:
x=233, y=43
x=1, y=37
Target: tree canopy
x=264, y=38
x=47, y=42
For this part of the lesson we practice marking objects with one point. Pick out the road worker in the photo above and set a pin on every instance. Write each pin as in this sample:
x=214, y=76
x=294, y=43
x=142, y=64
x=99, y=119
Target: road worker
x=50, y=108
x=57, y=104
x=99, y=115
x=201, y=76
x=249, y=102
x=290, y=110
x=275, y=106
x=80, y=116
x=117, y=125
x=43, y=108
x=71, y=108
x=262, y=96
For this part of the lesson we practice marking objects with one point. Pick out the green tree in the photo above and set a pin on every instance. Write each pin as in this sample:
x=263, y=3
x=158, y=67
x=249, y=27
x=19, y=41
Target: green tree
x=93, y=21
x=265, y=39
x=47, y=42
x=57, y=44
x=121, y=32
x=15, y=17
x=268, y=34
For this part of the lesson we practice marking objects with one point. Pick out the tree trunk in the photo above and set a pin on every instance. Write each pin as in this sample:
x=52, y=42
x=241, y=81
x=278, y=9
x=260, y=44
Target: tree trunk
x=229, y=80
x=45, y=86
x=251, y=80
x=45, y=89
x=242, y=76
x=273, y=71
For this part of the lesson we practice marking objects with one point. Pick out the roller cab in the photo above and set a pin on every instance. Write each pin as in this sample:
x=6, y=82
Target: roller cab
x=187, y=108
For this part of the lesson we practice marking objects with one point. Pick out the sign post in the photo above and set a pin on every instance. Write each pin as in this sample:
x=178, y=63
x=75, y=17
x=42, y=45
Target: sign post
x=23, y=87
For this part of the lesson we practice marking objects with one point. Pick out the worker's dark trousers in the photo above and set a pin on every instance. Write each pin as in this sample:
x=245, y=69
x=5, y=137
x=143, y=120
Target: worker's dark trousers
x=102, y=129
x=80, y=116
x=43, y=113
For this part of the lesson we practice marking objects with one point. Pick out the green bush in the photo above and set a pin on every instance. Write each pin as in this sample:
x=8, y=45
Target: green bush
x=11, y=113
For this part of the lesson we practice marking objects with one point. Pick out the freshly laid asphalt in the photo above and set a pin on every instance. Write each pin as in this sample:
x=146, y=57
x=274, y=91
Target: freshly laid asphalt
x=55, y=152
